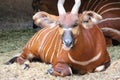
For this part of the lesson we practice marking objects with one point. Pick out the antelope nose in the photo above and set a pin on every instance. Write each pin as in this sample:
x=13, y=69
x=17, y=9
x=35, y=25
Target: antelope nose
x=68, y=42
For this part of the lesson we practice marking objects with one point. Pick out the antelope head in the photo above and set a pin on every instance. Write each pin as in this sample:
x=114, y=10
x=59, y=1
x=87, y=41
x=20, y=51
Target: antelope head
x=68, y=24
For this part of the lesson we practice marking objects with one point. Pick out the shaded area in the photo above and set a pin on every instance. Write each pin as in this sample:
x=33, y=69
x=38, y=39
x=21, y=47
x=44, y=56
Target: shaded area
x=15, y=14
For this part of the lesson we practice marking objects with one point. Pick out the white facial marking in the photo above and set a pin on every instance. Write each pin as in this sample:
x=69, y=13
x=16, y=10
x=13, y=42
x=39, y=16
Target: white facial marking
x=65, y=47
x=67, y=29
x=84, y=63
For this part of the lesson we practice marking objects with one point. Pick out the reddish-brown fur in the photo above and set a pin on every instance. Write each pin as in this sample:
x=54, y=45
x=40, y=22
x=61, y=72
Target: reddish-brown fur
x=99, y=6
x=73, y=43
x=46, y=44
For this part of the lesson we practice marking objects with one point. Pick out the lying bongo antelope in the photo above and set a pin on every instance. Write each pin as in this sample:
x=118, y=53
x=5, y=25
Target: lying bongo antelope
x=71, y=42
x=108, y=9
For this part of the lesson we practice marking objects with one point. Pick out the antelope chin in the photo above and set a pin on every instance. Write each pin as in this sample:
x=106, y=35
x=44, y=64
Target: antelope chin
x=66, y=48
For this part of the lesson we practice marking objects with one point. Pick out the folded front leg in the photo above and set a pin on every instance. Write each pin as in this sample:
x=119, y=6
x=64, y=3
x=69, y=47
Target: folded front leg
x=61, y=69
x=23, y=62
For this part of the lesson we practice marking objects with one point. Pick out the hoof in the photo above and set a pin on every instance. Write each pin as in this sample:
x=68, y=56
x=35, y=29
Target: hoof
x=25, y=66
x=11, y=61
x=50, y=71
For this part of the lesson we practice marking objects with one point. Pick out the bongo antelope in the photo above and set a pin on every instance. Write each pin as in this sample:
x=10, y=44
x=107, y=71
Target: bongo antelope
x=74, y=44
x=108, y=9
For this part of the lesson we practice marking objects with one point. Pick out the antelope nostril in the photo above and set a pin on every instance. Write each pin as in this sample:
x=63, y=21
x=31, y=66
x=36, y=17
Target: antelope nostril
x=68, y=42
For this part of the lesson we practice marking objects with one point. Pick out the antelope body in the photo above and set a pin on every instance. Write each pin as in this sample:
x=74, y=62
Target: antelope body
x=72, y=42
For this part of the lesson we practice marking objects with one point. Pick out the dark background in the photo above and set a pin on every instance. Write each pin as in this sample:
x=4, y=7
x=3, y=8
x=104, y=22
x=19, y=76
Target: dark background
x=15, y=14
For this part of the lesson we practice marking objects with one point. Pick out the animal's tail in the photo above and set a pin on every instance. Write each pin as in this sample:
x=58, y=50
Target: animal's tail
x=12, y=60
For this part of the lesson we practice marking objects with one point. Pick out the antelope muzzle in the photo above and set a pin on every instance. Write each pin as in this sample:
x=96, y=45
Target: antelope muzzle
x=67, y=40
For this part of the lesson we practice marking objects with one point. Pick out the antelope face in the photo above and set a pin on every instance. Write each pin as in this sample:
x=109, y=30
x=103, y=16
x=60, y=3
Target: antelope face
x=68, y=24
x=68, y=29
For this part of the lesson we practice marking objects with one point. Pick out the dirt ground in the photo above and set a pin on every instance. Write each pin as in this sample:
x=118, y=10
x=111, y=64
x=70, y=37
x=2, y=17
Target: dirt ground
x=37, y=71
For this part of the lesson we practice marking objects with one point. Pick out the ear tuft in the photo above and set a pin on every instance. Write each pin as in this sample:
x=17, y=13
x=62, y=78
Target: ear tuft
x=89, y=19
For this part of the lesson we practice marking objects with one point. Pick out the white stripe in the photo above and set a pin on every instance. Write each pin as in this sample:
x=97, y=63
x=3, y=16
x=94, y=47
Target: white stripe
x=59, y=52
x=54, y=51
x=46, y=43
x=50, y=46
x=28, y=45
x=30, y=42
x=113, y=33
x=97, y=5
x=59, y=48
x=37, y=37
x=93, y=4
x=88, y=5
x=44, y=38
x=111, y=9
x=84, y=63
x=110, y=19
x=107, y=5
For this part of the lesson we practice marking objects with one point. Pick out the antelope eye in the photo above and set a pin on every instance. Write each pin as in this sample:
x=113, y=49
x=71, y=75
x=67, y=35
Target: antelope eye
x=85, y=21
x=76, y=24
x=60, y=25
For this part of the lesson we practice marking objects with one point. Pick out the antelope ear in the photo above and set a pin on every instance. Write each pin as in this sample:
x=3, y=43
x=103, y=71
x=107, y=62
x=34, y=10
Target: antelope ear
x=44, y=19
x=89, y=19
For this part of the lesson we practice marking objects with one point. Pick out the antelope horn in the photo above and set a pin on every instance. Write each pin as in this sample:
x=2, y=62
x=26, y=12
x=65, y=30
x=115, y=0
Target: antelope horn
x=61, y=9
x=76, y=6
